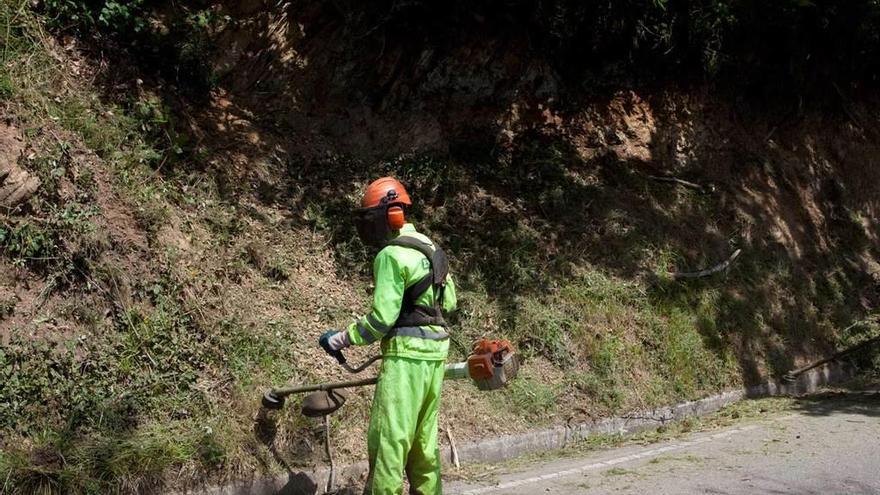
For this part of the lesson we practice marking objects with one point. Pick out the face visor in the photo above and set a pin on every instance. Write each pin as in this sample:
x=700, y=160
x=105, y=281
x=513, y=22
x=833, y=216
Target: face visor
x=372, y=225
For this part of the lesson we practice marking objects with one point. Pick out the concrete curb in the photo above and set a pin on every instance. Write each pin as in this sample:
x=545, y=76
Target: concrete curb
x=511, y=446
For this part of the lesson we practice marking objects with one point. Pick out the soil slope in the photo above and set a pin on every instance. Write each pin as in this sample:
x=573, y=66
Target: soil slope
x=166, y=256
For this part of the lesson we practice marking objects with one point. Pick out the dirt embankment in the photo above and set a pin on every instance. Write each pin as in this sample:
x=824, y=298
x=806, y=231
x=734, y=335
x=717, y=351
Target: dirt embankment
x=192, y=283
x=550, y=176
x=307, y=81
x=299, y=77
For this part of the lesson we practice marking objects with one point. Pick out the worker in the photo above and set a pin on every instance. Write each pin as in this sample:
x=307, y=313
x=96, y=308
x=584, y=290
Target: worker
x=412, y=292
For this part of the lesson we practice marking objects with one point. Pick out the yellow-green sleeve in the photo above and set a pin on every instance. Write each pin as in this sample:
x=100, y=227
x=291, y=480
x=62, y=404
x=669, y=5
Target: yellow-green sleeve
x=450, y=301
x=387, y=299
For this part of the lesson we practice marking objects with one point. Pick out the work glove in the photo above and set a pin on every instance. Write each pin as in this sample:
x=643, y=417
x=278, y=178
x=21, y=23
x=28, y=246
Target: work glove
x=333, y=342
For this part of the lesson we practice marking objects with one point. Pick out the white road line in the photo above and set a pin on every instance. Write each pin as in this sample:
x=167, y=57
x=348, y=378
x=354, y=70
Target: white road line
x=611, y=462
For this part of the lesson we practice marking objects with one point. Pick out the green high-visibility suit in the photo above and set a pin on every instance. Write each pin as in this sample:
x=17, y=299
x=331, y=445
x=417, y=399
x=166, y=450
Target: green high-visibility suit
x=402, y=435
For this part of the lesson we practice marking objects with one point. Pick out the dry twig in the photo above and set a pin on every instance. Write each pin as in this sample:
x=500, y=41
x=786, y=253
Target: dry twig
x=709, y=271
x=675, y=180
x=452, y=448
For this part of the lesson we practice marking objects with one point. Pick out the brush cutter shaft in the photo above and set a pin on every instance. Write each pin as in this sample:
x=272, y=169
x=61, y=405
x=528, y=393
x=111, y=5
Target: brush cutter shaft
x=358, y=369
x=454, y=371
x=285, y=391
x=491, y=365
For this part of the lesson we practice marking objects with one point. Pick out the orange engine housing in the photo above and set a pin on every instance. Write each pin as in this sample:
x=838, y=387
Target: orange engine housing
x=486, y=356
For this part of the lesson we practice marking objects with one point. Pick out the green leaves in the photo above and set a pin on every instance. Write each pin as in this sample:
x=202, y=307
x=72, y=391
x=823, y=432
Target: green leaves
x=25, y=241
x=113, y=15
x=123, y=13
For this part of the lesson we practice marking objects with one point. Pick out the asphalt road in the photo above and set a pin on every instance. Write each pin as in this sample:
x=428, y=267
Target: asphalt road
x=821, y=446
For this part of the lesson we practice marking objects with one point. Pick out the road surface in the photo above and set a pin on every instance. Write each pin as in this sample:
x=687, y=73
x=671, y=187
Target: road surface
x=818, y=446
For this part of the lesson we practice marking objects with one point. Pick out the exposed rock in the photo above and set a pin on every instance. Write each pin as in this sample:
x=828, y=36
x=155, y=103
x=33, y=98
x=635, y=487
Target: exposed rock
x=16, y=185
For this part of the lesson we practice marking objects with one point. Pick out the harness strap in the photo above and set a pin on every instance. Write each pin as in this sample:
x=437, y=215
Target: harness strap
x=417, y=315
x=417, y=289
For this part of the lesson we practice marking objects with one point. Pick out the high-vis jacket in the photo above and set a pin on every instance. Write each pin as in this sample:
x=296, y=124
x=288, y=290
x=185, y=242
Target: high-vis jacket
x=395, y=269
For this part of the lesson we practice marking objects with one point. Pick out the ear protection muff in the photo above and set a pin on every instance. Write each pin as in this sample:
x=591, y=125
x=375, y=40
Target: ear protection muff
x=396, y=218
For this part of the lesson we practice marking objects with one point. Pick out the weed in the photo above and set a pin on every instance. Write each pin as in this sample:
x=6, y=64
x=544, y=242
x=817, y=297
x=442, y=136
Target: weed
x=51, y=168
x=225, y=223
x=277, y=270
x=26, y=242
x=273, y=267
x=155, y=121
x=247, y=351
x=531, y=397
x=27, y=473
x=7, y=90
x=618, y=472
x=604, y=381
x=121, y=16
x=316, y=215
x=547, y=331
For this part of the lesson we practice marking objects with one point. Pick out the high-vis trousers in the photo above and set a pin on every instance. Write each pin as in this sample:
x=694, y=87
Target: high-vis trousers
x=403, y=427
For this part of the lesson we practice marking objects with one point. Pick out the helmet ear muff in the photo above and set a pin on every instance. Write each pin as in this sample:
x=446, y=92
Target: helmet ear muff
x=396, y=218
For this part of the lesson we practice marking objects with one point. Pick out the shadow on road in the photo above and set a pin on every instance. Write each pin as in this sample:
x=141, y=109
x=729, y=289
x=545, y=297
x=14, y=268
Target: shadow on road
x=866, y=403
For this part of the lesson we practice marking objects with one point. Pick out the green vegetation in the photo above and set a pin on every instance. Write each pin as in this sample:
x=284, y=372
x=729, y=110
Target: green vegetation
x=642, y=352
x=23, y=242
x=175, y=41
x=776, y=52
x=6, y=88
x=530, y=397
x=158, y=292
x=107, y=14
x=115, y=405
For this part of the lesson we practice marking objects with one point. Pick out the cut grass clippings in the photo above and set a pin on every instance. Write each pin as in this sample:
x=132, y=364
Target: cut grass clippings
x=742, y=411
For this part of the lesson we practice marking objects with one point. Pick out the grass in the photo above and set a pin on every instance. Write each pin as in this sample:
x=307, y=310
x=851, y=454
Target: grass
x=167, y=344
x=530, y=397
x=136, y=412
x=640, y=352
x=129, y=462
x=6, y=87
x=114, y=408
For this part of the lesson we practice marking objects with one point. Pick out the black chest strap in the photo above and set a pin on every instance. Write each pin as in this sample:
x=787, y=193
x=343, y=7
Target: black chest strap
x=416, y=315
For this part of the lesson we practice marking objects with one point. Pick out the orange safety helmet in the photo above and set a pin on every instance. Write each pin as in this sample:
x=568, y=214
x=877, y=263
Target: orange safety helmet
x=381, y=211
x=386, y=190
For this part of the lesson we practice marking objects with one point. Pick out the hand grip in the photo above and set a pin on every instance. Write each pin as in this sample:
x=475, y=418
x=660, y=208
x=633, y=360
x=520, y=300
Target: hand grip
x=324, y=342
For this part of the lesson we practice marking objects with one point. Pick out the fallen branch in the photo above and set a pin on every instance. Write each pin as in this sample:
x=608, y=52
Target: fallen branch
x=709, y=271
x=452, y=448
x=675, y=180
x=793, y=374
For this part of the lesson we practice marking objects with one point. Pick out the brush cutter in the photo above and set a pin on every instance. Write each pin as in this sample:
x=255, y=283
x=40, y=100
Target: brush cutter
x=491, y=365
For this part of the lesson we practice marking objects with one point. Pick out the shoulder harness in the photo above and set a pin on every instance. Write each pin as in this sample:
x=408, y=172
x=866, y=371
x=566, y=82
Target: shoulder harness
x=417, y=315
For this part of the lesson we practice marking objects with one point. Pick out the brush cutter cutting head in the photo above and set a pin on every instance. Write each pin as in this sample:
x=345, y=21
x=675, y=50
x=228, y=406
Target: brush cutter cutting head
x=323, y=402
